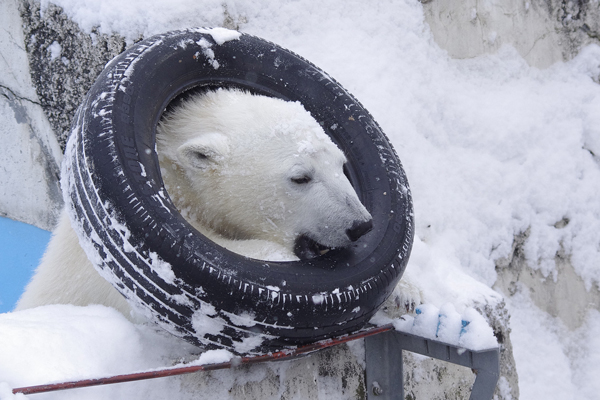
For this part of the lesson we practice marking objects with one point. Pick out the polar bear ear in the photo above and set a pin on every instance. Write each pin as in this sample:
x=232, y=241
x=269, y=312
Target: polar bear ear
x=203, y=151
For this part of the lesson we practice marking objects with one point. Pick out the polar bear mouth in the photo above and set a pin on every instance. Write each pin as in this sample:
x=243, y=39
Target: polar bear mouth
x=306, y=248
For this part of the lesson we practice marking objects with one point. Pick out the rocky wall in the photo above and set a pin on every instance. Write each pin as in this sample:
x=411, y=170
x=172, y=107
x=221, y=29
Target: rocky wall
x=30, y=154
x=542, y=31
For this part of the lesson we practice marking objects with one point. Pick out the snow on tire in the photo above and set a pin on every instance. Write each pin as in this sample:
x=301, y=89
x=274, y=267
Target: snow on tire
x=137, y=240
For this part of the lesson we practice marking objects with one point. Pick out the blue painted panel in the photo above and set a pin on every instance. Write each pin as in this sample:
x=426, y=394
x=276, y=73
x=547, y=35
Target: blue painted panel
x=21, y=247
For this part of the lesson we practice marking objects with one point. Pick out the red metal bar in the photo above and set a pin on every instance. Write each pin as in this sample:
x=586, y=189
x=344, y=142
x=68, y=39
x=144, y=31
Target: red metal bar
x=280, y=355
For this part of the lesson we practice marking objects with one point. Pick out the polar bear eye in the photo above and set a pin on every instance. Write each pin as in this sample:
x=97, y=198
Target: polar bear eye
x=302, y=179
x=200, y=156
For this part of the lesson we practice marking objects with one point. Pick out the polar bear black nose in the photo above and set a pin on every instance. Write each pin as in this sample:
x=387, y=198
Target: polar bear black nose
x=358, y=229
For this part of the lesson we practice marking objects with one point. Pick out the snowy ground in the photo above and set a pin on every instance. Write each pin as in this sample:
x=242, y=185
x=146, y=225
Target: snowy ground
x=491, y=147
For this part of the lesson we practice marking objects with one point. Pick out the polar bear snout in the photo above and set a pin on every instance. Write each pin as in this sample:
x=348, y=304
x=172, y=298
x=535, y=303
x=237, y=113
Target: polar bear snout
x=306, y=247
x=359, y=229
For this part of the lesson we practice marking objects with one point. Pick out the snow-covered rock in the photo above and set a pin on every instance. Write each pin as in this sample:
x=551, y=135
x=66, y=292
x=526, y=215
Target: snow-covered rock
x=29, y=154
x=64, y=61
x=542, y=31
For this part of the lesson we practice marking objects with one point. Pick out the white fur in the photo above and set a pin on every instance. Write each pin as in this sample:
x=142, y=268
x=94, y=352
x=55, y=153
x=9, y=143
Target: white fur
x=229, y=161
x=253, y=146
x=66, y=276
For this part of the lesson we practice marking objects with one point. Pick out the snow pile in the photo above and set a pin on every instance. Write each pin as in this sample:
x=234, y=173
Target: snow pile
x=553, y=361
x=469, y=330
x=221, y=35
x=7, y=394
x=64, y=342
x=61, y=343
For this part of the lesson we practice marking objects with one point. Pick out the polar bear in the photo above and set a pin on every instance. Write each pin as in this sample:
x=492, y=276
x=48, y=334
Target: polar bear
x=256, y=167
x=255, y=174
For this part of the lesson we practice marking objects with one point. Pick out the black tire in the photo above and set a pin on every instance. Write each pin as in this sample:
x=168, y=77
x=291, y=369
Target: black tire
x=125, y=219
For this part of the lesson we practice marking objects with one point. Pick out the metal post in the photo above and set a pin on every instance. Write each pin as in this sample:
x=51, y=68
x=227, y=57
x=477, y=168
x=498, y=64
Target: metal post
x=383, y=355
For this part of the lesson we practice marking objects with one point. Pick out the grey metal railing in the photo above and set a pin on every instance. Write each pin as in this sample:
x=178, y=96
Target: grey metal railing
x=383, y=353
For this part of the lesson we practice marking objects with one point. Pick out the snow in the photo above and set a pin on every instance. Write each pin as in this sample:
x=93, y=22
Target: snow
x=6, y=393
x=468, y=331
x=214, y=357
x=162, y=268
x=554, y=362
x=55, y=50
x=492, y=148
x=208, y=52
x=221, y=35
x=58, y=342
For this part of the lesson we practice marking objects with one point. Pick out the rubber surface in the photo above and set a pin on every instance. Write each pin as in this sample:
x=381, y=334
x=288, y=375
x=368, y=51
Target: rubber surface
x=209, y=295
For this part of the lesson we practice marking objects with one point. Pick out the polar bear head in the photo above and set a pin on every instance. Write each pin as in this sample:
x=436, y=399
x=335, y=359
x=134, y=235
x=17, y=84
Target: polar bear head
x=254, y=167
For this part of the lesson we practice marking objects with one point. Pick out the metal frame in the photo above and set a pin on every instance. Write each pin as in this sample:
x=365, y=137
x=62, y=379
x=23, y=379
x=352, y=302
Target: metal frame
x=383, y=357
x=383, y=354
